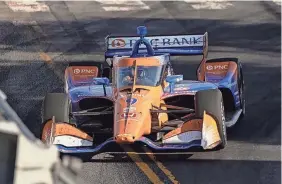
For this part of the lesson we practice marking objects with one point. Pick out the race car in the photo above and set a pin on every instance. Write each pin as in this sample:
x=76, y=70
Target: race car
x=138, y=99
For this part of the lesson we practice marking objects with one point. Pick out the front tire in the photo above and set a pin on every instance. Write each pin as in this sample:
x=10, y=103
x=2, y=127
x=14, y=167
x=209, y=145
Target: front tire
x=56, y=104
x=211, y=101
x=241, y=86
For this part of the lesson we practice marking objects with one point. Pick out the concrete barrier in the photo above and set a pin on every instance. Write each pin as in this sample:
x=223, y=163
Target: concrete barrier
x=25, y=159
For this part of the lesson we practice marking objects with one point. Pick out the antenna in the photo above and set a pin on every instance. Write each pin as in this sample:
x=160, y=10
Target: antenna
x=141, y=31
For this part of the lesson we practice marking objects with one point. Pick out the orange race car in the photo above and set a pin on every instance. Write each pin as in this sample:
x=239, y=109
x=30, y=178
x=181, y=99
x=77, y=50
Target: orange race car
x=139, y=99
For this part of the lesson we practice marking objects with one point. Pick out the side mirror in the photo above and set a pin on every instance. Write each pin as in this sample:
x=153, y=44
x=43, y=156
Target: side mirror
x=174, y=78
x=101, y=81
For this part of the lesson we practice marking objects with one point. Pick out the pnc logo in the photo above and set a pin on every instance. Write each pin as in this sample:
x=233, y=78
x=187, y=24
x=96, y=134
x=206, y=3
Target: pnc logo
x=118, y=43
x=131, y=101
x=217, y=67
x=83, y=71
x=209, y=67
x=76, y=71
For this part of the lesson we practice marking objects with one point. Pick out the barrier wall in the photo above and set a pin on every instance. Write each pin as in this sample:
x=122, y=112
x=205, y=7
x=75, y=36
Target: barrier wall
x=25, y=159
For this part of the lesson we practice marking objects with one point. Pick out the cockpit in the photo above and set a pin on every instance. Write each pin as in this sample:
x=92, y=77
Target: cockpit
x=139, y=75
x=140, y=68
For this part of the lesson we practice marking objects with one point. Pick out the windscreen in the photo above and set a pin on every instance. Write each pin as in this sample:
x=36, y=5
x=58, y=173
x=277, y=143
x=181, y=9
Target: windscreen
x=145, y=76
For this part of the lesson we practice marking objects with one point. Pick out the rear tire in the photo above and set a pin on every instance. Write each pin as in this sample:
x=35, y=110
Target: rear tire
x=211, y=101
x=56, y=104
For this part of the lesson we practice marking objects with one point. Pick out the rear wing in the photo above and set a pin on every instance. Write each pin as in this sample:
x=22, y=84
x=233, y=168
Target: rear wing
x=175, y=45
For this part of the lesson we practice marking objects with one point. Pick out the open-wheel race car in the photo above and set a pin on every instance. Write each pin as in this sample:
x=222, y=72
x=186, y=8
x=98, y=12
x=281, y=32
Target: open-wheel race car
x=139, y=98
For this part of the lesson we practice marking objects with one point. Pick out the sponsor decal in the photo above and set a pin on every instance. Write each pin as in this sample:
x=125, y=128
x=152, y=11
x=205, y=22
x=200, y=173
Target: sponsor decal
x=81, y=74
x=130, y=95
x=223, y=119
x=181, y=88
x=175, y=93
x=129, y=109
x=217, y=67
x=78, y=71
x=159, y=41
x=176, y=41
x=131, y=101
x=118, y=43
x=128, y=115
x=222, y=112
x=209, y=67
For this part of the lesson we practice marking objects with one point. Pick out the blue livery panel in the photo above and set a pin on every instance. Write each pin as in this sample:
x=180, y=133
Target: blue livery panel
x=224, y=75
x=171, y=44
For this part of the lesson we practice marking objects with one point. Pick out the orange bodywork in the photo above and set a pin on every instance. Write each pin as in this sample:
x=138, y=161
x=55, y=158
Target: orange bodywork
x=210, y=132
x=52, y=129
x=192, y=125
x=207, y=127
x=132, y=121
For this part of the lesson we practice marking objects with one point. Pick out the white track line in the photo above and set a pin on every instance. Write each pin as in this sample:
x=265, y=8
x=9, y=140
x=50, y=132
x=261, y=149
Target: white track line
x=27, y=6
x=278, y=2
x=123, y=5
x=210, y=5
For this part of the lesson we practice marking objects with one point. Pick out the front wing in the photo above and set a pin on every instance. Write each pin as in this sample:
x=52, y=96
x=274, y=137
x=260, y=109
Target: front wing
x=70, y=140
x=156, y=148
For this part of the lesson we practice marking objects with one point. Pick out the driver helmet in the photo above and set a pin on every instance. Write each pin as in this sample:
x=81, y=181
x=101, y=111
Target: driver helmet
x=141, y=73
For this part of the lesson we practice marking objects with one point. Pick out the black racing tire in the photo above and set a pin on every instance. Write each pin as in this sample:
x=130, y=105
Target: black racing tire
x=211, y=101
x=56, y=104
x=241, y=86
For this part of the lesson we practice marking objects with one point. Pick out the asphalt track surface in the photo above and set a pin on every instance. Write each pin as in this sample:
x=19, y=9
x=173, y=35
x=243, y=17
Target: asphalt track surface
x=36, y=47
